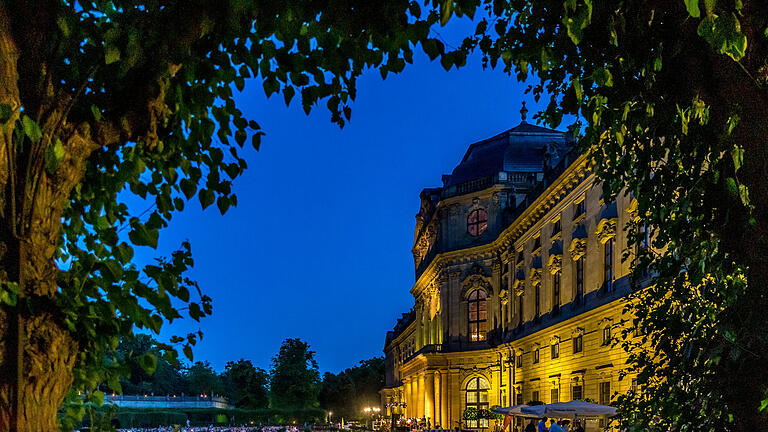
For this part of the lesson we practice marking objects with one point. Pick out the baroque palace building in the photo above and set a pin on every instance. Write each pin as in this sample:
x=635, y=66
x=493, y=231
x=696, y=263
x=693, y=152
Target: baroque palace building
x=520, y=285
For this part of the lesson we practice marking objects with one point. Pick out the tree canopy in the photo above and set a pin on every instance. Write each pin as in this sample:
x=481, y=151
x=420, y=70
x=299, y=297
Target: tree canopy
x=347, y=392
x=103, y=99
x=294, y=379
x=674, y=98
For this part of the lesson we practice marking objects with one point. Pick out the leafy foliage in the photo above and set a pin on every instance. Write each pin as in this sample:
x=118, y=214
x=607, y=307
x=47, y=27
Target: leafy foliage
x=674, y=98
x=348, y=391
x=294, y=378
x=246, y=386
x=107, y=102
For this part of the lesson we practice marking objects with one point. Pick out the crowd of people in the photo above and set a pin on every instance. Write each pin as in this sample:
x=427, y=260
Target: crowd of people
x=177, y=428
x=554, y=426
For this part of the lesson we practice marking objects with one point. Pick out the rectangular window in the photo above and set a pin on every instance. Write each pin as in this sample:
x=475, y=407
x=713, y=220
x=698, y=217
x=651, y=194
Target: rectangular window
x=555, y=351
x=633, y=386
x=555, y=395
x=605, y=393
x=537, y=300
x=607, y=335
x=536, y=356
x=579, y=294
x=519, y=397
x=608, y=265
x=577, y=344
x=579, y=209
x=556, y=291
x=577, y=393
x=556, y=227
x=519, y=360
x=535, y=396
x=520, y=307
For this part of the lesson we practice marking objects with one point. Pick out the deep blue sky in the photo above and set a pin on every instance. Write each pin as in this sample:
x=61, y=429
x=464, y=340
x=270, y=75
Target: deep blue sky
x=319, y=246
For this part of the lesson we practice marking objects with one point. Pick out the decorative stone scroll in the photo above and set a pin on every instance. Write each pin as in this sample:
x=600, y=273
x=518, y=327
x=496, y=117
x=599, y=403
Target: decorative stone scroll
x=606, y=230
x=535, y=276
x=634, y=214
x=504, y=296
x=555, y=263
x=476, y=279
x=578, y=248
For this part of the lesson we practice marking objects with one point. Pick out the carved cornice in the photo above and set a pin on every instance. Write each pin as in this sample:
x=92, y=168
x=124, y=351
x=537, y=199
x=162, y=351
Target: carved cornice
x=606, y=229
x=578, y=248
x=555, y=263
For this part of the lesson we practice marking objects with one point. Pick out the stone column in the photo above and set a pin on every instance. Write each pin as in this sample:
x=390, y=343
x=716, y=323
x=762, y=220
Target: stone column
x=495, y=303
x=429, y=397
x=420, y=396
x=419, y=311
x=436, y=412
x=445, y=398
x=407, y=397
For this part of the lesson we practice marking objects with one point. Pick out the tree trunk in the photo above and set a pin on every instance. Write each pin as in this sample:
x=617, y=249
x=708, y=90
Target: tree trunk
x=37, y=351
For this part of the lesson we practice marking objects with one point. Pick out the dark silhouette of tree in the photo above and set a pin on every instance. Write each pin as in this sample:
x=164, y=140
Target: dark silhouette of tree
x=294, y=378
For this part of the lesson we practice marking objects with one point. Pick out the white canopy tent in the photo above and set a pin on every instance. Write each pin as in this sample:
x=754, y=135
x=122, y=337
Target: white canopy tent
x=570, y=409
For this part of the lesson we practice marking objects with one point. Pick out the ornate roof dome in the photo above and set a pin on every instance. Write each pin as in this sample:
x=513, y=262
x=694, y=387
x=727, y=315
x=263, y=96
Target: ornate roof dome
x=523, y=149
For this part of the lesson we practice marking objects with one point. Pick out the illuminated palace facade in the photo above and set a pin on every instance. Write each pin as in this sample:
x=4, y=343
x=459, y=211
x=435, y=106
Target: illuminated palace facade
x=520, y=285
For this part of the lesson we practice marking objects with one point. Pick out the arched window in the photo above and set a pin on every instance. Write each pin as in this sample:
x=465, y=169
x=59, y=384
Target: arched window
x=477, y=398
x=477, y=222
x=478, y=315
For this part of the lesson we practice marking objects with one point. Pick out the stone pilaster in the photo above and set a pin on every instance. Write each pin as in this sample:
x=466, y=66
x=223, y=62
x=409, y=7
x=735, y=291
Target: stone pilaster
x=429, y=397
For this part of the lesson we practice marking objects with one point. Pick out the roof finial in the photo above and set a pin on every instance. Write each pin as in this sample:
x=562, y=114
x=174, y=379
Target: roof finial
x=523, y=112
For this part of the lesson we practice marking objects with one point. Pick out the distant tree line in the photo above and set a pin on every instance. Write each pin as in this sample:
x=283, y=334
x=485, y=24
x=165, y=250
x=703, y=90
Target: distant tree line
x=292, y=384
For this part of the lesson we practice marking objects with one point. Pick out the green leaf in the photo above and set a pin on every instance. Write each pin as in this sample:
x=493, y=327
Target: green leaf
x=53, y=156
x=97, y=397
x=148, y=363
x=141, y=236
x=188, y=352
x=737, y=153
x=732, y=187
x=733, y=121
x=96, y=112
x=206, y=197
x=744, y=194
x=693, y=8
x=288, y=93
x=111, y=54
x=31, y=129
x=578, y=90
x=223, y=203
x=446, y=10
x=602, y=77
x=188, y=187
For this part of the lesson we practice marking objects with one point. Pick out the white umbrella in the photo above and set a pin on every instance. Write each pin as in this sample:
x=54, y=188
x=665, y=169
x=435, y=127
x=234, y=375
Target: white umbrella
x=515, y=411
x=569, y=409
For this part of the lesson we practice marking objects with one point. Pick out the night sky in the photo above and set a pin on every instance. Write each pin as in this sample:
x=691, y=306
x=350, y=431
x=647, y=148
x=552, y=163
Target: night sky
x=319, y=246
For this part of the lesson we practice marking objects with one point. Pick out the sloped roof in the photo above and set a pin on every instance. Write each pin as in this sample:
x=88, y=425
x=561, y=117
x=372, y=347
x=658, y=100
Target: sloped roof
x=521, y=149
